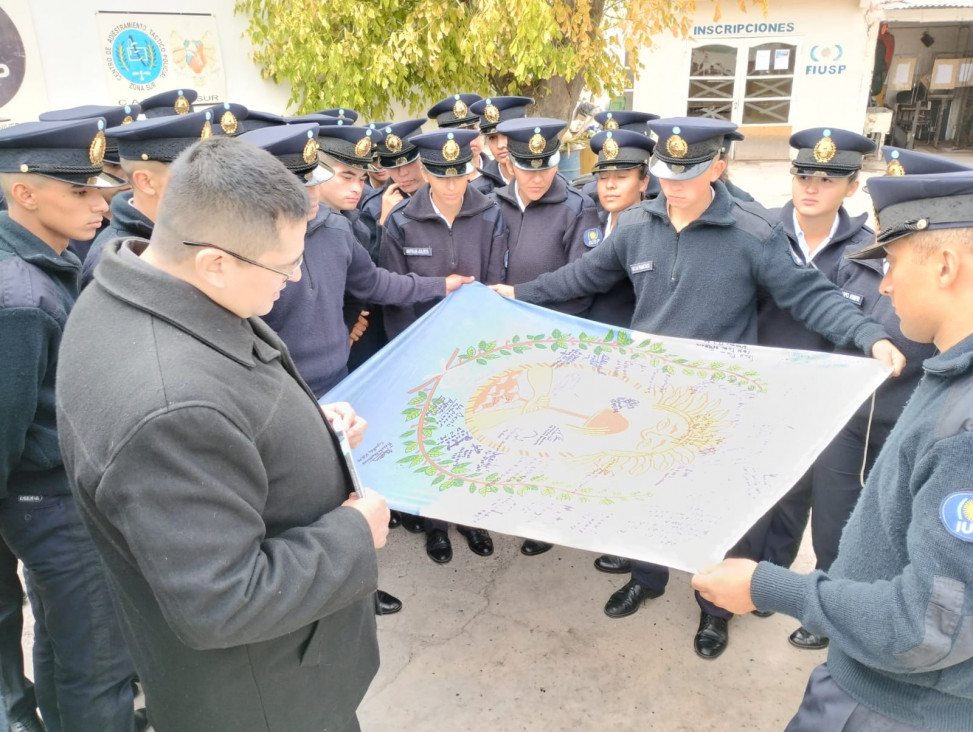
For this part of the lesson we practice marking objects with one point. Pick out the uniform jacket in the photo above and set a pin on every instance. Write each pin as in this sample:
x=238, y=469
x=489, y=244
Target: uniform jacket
x=417, y=240
x=309, y=314
x=897, y=603
x=616, y=306
x=858, y=281
x=126, y=221
x=38, y=288
x=370, y=206
x=491, y=171
x=547, y=234
x=702, y=282
x=212, y=487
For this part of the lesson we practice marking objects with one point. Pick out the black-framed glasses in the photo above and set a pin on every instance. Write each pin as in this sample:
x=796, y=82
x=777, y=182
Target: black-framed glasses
x=255, y=263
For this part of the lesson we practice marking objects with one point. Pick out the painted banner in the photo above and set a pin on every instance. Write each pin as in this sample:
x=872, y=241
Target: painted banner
x=510, y=417
x=145, y=53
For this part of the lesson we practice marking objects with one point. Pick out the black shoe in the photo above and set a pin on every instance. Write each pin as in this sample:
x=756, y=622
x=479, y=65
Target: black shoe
x=28, y=724
x=412, y=523
x=804, y=638
x=386, y=604
x=532, y=548
x=478, y=540
x=629, y=599
x=438, y=547
x=613, y=565
x=762, y=613
x=394, y=519
x=712, y=636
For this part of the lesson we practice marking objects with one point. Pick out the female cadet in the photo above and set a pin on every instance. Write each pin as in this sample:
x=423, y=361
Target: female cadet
x=822, y=235
x=446, y=226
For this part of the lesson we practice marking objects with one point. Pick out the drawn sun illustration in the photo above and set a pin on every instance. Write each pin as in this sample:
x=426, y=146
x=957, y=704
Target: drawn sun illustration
x=967, y=510
x=544, y=410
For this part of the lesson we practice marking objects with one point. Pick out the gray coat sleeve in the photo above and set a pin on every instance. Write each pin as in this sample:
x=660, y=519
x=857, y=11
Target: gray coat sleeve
x=374, y=284
x=186, y=491
x=917, y=621
x=812, y=299
x=597, y=271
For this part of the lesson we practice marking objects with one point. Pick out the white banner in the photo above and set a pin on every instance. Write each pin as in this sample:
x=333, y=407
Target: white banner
x=147, y=53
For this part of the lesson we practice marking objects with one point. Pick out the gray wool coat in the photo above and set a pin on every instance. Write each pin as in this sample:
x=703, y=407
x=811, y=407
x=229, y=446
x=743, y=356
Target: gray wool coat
x=211, y=485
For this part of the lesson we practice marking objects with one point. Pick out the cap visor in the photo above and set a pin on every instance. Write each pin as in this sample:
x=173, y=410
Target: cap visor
x=434, y=170
x=525, y=164
x=318, y=174
x=875, y=250
x=100, y=180
x=661, y=169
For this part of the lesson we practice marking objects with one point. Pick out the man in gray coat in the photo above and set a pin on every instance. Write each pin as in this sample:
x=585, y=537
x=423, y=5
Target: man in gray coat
x=211, y=481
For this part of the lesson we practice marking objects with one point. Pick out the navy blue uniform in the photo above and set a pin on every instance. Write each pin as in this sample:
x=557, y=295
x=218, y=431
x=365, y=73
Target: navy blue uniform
x=126, y=222
x=548, y=234
x=81, y=667
x=830, y=487
x=417, y=239
x=308, y=316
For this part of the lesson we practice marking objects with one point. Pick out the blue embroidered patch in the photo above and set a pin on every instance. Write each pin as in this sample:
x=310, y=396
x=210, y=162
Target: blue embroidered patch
x=956, y=513
x=592, y=238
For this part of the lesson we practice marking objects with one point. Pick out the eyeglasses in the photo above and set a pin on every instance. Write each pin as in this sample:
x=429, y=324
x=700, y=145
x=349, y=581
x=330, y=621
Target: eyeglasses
x=255, y=263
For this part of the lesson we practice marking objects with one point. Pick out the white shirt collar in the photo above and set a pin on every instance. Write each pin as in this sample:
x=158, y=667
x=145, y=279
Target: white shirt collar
x=438, y=212
x=802, y=240
x=520, y=201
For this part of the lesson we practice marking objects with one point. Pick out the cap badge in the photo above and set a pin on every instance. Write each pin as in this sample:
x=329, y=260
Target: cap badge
x=207, y=131
x=895, y=168
x=452, y=171
x=310, y=153
x=460, y=110
x=401, y=161
x=610, y=148
x=611, y=123
x=825, y=148
x=127, y=120
x=182, y=104
x=492, y=114
x=450, y=148
x=228, y=122
x=96, y=151
x=537, y=142
x=536, y=163
x=363, y=148
x=394, y=143
x=676, y=146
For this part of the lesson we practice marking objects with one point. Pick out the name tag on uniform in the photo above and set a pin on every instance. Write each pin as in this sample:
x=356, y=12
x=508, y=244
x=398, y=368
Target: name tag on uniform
x=642, y=267
x=417, y=251
x=857, y=299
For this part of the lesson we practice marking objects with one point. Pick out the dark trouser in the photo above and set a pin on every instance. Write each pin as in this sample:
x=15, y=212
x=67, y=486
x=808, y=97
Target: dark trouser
x=17, y=691
x=655, y=576
x=82, y=669
x=828, y=491
x=827, y=708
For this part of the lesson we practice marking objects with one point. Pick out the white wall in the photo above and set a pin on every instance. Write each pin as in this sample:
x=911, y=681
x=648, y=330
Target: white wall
x=832, y=92
x=71, y=51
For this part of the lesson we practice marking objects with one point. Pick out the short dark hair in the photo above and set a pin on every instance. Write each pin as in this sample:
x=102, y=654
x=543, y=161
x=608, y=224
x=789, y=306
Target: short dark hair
x=227, y=192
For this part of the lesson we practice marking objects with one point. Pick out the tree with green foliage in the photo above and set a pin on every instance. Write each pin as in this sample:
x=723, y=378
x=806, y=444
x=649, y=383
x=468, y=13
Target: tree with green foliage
x=369, y=54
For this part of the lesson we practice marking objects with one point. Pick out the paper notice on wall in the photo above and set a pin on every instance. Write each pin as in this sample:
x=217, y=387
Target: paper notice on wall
x=782, y=59
x=943, y=74
x=902, y=75
x=762, y=61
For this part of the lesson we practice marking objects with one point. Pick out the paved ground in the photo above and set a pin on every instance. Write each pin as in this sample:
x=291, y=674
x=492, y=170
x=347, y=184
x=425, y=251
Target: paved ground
x=509, y=643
